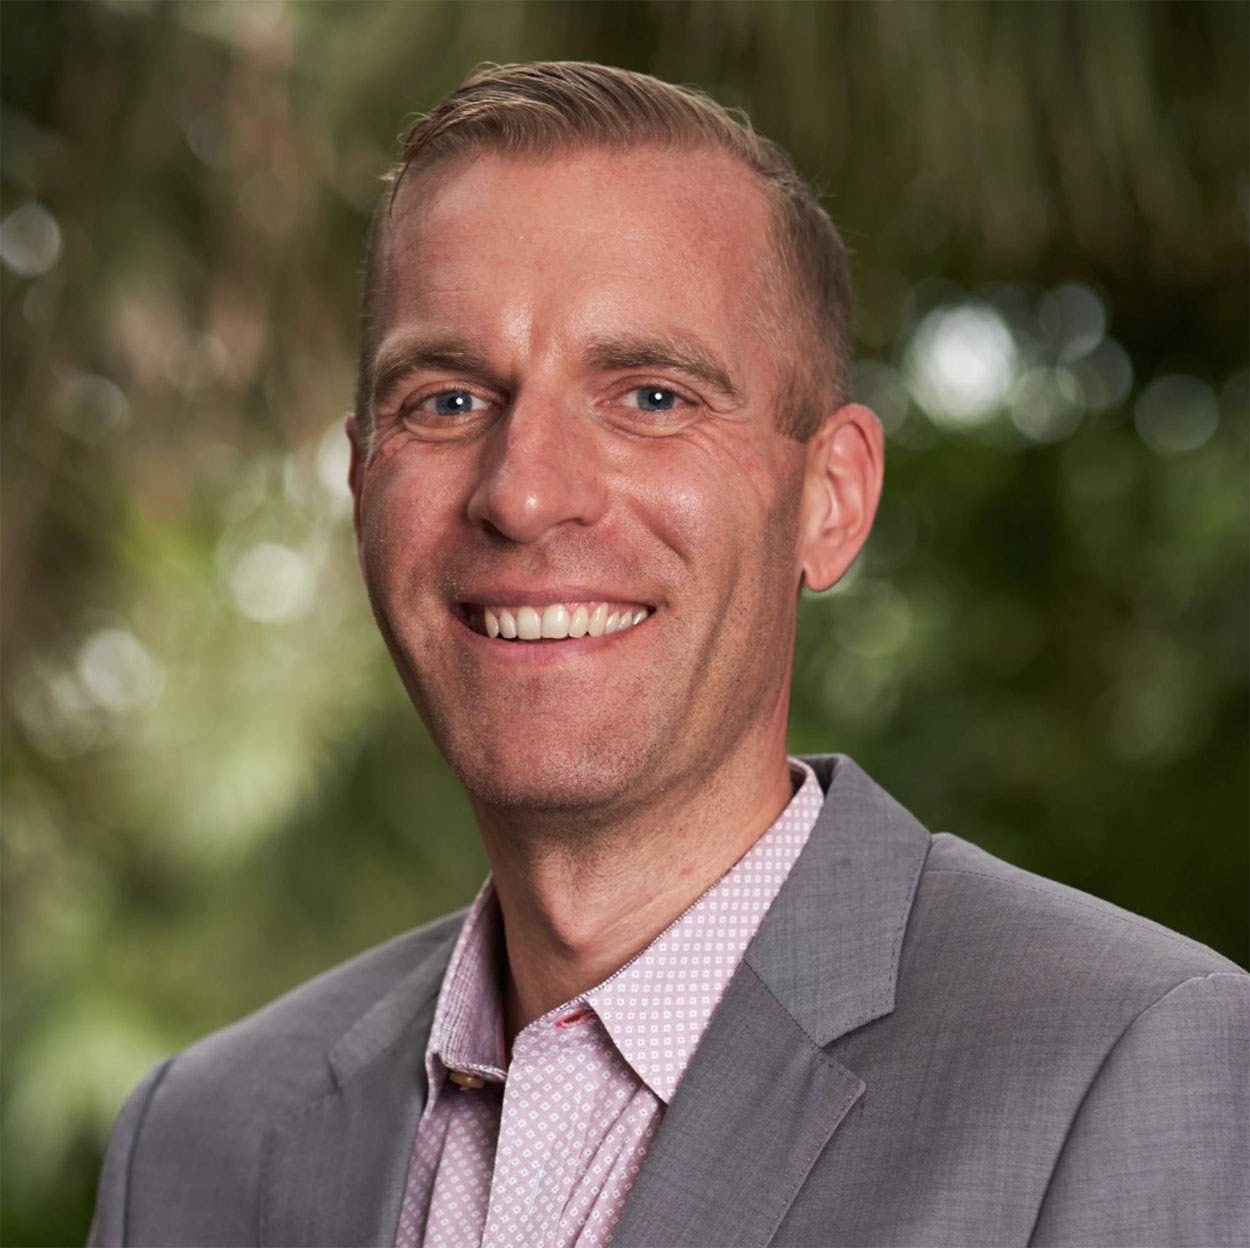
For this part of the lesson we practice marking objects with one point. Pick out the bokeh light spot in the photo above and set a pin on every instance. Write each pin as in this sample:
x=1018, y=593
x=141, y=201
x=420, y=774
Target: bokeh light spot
x=271, y=583
x=1105, y=376
x=91, y=407
x=1176, y=413
x=55, y=711
x=1046, y=404
x=1074, y=318
x=30, y=240
x=961, y=364
x=196, y=362
x=333, y=461
x=118, y=671
x=874, y=621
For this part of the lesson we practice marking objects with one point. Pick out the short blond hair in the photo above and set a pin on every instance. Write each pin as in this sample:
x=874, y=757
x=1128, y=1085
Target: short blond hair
x=545, y=107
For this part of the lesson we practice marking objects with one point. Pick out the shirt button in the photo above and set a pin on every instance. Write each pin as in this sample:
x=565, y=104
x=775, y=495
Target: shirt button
x=465, y=1081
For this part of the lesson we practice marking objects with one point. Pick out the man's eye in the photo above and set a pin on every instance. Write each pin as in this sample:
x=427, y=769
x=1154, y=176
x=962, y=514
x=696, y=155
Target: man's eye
x=655, y=398
x=452, y=403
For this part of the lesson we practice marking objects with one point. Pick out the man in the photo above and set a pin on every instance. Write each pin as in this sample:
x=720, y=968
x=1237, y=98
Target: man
x=710, y=995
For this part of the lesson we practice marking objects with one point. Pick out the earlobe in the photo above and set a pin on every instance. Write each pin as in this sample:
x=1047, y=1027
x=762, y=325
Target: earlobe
x=841, y=489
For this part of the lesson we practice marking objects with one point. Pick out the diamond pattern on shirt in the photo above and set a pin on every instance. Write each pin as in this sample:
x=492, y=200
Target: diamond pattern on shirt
x=547, y=1152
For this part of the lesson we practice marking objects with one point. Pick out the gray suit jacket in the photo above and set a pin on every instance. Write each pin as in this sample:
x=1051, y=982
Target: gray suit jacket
x=923, y=1046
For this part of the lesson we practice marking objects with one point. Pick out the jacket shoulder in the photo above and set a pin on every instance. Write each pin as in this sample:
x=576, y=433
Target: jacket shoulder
x=1045, y=1049
x=278, y=1053
x=1053, y=937
x=184, y=1159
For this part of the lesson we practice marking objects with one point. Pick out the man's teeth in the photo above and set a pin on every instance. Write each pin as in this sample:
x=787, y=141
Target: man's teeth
x=529, y=624
x=558, y=621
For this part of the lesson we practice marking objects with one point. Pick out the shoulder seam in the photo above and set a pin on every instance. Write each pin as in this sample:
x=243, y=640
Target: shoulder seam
x=1074, y=897
x=1102, y=1066
x=162, y=1071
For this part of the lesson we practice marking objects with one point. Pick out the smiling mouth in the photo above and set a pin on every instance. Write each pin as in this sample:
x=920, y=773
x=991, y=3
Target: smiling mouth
x=558, y=621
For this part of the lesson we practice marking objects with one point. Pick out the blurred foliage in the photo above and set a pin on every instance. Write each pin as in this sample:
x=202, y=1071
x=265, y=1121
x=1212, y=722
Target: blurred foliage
x=213, y=786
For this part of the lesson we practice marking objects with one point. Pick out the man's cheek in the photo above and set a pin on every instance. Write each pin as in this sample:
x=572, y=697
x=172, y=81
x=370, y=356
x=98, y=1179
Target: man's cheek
x=397, y=520
x=688, y=514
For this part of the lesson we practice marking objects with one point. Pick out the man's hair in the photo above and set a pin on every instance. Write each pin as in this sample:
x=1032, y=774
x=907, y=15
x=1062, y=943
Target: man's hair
x=544, y=108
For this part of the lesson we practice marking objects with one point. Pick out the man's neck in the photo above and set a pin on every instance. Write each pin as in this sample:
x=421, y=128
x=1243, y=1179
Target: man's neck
x=577, y=909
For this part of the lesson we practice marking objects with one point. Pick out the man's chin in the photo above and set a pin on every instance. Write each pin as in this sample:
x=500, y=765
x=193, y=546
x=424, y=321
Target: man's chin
x=531, y=779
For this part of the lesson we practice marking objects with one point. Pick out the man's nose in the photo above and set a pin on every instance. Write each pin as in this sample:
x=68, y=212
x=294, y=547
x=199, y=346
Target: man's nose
x=538, y=470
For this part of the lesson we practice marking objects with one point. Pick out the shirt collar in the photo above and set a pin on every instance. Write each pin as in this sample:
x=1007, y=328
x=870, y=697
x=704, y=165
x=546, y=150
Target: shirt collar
x=467, y=1034
x=656, y=1007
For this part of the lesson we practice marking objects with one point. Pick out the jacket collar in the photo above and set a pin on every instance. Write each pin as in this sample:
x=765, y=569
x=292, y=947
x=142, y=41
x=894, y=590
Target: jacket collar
x=829, y=947
x=762, y=1098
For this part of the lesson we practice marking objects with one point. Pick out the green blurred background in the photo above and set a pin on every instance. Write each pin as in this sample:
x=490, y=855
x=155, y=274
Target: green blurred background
x=212, y=784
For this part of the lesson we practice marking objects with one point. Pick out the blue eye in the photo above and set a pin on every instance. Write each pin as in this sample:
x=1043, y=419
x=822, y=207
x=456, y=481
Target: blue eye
x=656, y=399
x=451, y=403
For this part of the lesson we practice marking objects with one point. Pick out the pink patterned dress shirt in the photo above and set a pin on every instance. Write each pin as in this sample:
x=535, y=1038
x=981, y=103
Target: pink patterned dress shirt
x=545, y=1154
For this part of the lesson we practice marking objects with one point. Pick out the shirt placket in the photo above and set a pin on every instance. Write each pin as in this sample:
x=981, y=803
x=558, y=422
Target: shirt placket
x=459, y=1186
x=542, y=1134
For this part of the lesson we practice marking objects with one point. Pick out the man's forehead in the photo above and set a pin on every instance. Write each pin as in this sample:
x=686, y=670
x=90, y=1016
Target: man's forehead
x=703, y=184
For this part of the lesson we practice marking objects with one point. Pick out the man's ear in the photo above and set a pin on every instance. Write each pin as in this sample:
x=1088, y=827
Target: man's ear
x=841, y=489
x=356, y=471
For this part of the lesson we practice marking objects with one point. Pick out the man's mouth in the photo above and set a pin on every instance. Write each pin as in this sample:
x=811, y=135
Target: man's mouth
x=556, y=621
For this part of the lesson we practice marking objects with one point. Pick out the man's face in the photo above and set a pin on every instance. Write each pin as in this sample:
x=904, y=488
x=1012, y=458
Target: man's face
x=575, y=426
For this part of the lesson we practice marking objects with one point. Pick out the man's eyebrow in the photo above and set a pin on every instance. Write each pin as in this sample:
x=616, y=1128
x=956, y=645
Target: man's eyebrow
x=663, y=351
x=607, y=353
x=393, y=364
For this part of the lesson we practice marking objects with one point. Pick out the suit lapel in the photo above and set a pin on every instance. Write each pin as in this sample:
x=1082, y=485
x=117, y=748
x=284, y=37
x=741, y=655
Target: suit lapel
x=829, y=946
x=334, y=1172
x=761, y=1099
x=753, y=1111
